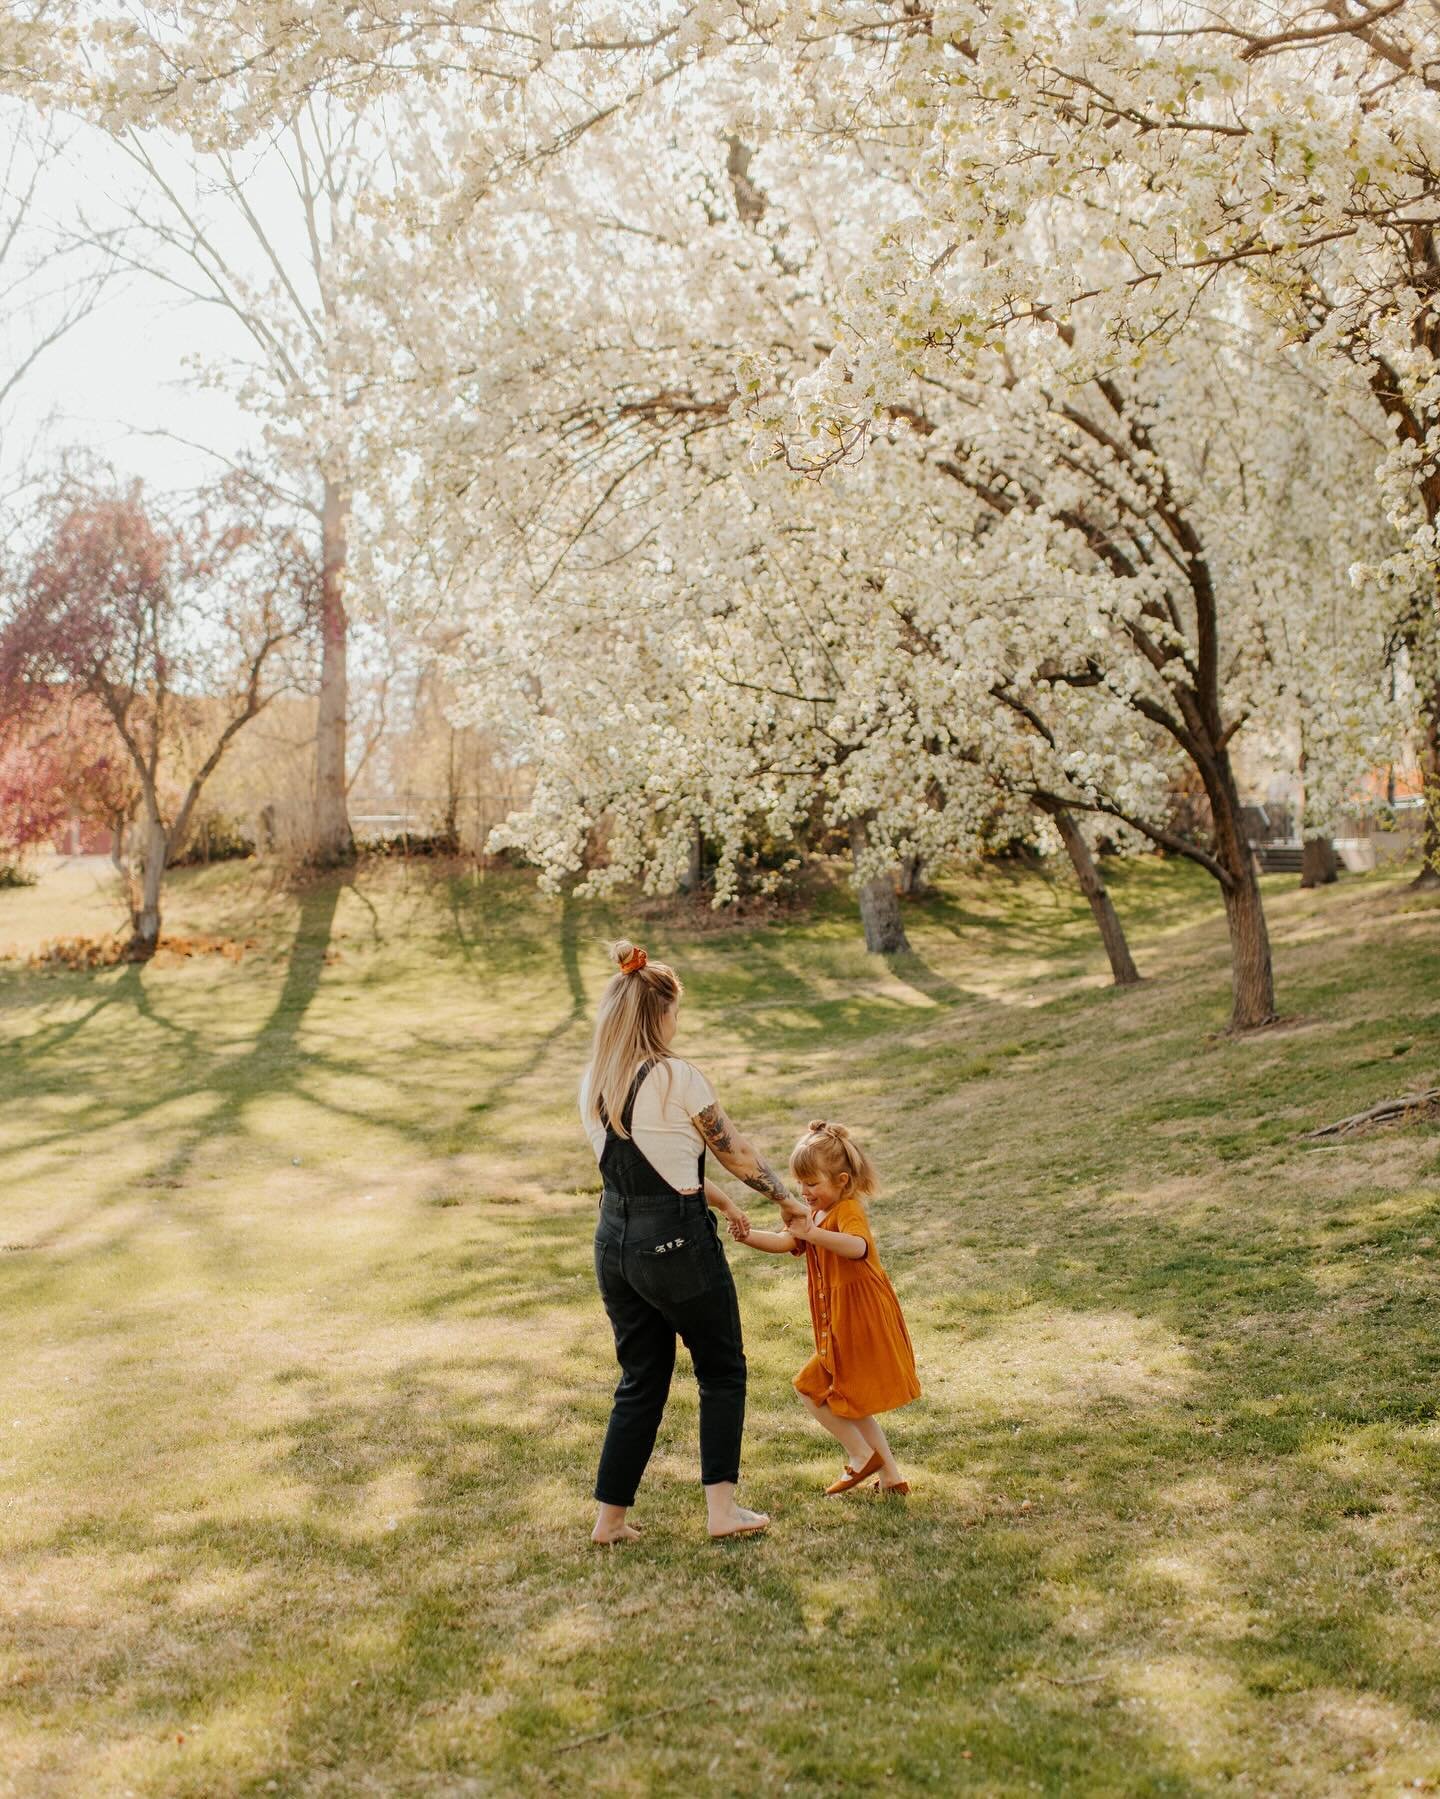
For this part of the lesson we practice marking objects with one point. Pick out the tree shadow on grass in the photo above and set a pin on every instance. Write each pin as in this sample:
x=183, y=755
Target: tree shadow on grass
x=38, y=1044
x=1246, y=1552
x=1093, y=1587
x=916, y=972
x=778, y=999
x=272, y=1064
x=274, y=1043
x=433, y=1612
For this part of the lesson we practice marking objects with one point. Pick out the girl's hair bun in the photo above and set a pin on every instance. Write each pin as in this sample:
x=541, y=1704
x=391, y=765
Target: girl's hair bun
x=630, y=956
x=830, y=1149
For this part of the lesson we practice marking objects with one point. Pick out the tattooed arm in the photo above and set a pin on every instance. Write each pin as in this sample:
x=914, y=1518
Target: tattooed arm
x=738, y=1154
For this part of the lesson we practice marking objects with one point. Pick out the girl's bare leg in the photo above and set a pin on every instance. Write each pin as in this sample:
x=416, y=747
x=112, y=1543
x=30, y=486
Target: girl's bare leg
x=869, y=1428
x=857, y=1447
x=611, y=1526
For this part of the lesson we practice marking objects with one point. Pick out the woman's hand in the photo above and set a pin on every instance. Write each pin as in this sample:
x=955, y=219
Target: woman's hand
x=720, y=1201
x=800, y=1228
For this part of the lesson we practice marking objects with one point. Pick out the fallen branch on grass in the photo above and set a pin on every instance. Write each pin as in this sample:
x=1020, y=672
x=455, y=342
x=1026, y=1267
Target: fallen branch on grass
x=1409, y=1105
x=599, y=1736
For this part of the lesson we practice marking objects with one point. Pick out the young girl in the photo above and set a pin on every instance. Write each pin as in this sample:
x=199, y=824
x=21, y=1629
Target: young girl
x=863, y=1361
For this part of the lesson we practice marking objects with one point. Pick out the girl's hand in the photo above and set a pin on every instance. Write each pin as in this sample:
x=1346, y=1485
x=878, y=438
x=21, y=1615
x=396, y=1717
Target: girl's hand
x=739, y=1225
x=801, y=1227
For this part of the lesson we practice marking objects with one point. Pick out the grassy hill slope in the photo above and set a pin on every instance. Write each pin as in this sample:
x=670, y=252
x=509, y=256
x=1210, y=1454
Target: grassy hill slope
x=302, y=1372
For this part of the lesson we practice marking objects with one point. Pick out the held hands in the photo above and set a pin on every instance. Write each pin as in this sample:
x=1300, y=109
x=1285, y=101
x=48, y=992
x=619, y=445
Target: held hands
x=802, y=1227
x=738, y=1222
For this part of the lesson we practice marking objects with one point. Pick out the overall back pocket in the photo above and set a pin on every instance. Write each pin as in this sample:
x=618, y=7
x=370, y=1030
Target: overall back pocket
x=678, y=1264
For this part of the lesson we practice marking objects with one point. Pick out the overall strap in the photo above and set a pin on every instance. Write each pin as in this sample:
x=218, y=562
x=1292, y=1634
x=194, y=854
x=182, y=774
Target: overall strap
x=627, y=1111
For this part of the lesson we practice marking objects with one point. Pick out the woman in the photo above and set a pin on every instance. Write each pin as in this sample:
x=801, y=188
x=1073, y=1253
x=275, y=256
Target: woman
x=658, y=1258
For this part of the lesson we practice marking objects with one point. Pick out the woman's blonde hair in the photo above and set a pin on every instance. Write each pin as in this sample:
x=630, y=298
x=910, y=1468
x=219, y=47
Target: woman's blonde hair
x=627, y=1030
x=830, y=1149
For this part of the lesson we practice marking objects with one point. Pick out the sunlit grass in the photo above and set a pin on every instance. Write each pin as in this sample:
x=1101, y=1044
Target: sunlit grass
x=302, y=1373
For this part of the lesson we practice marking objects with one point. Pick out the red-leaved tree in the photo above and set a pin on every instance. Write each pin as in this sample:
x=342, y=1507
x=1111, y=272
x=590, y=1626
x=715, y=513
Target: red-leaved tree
x=176, y=633
x=62, y=762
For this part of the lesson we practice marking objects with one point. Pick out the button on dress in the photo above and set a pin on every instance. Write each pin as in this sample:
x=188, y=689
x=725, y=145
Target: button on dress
x=864, y=1361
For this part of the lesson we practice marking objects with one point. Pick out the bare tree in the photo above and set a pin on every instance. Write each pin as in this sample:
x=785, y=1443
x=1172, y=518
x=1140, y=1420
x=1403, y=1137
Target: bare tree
x=270, y=242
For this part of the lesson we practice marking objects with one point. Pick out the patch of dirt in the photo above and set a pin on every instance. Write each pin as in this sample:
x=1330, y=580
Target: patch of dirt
x=698, y=916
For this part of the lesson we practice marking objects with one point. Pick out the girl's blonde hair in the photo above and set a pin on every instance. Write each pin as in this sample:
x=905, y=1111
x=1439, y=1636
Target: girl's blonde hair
x=830, y=1149
x=627, y=1030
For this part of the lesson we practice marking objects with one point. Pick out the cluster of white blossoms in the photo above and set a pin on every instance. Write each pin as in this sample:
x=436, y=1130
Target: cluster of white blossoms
x=1116, y=171
x=899, y=419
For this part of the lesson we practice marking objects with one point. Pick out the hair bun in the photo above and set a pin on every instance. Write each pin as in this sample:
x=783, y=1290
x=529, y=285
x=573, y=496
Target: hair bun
x=818, y=1125
x=630, y=956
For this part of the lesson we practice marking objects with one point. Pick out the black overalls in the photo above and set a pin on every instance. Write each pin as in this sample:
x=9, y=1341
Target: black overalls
x=662, y=1271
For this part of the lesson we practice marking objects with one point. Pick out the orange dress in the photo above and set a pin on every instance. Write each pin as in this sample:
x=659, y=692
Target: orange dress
x=863, y=1361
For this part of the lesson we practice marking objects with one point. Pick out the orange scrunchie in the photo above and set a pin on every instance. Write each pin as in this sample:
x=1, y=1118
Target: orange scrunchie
x=634, y=962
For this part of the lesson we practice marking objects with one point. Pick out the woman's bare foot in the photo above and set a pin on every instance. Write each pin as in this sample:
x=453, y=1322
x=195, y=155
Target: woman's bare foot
x=621, y=1533
x=738, y=1522
x=611, y=1526
x=726, y=1519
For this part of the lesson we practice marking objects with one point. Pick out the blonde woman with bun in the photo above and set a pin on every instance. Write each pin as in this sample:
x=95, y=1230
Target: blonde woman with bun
x=863, y=1361
x=659, y=1261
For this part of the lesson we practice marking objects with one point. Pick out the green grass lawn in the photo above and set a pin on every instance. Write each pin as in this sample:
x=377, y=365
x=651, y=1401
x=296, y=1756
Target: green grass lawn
x=302, y=1371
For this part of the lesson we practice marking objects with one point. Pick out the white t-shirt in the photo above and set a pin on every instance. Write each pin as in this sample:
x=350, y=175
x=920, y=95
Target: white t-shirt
x=660, y=1126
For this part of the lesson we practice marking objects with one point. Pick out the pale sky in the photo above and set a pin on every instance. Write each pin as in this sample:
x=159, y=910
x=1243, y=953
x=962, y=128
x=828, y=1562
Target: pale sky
x=118, y=382
x=117, y=378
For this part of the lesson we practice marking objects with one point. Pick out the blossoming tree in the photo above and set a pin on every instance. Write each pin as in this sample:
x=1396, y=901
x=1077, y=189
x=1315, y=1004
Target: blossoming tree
x=1109, y=170
x=1084, y=575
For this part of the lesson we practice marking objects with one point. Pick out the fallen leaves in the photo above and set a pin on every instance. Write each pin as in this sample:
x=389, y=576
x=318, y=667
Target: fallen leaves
x=81, y=953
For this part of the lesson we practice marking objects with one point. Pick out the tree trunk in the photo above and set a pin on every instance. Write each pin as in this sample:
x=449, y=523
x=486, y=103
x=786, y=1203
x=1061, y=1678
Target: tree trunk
x=331, y=837
x=1317, y=853
x=1429, y=875
x=145, y=904
x=452, y=794
x=695, y=868
x=879, y=903
x=1251, y=973
x=1112, y=933
x=912, y=876
x=1318, y=863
